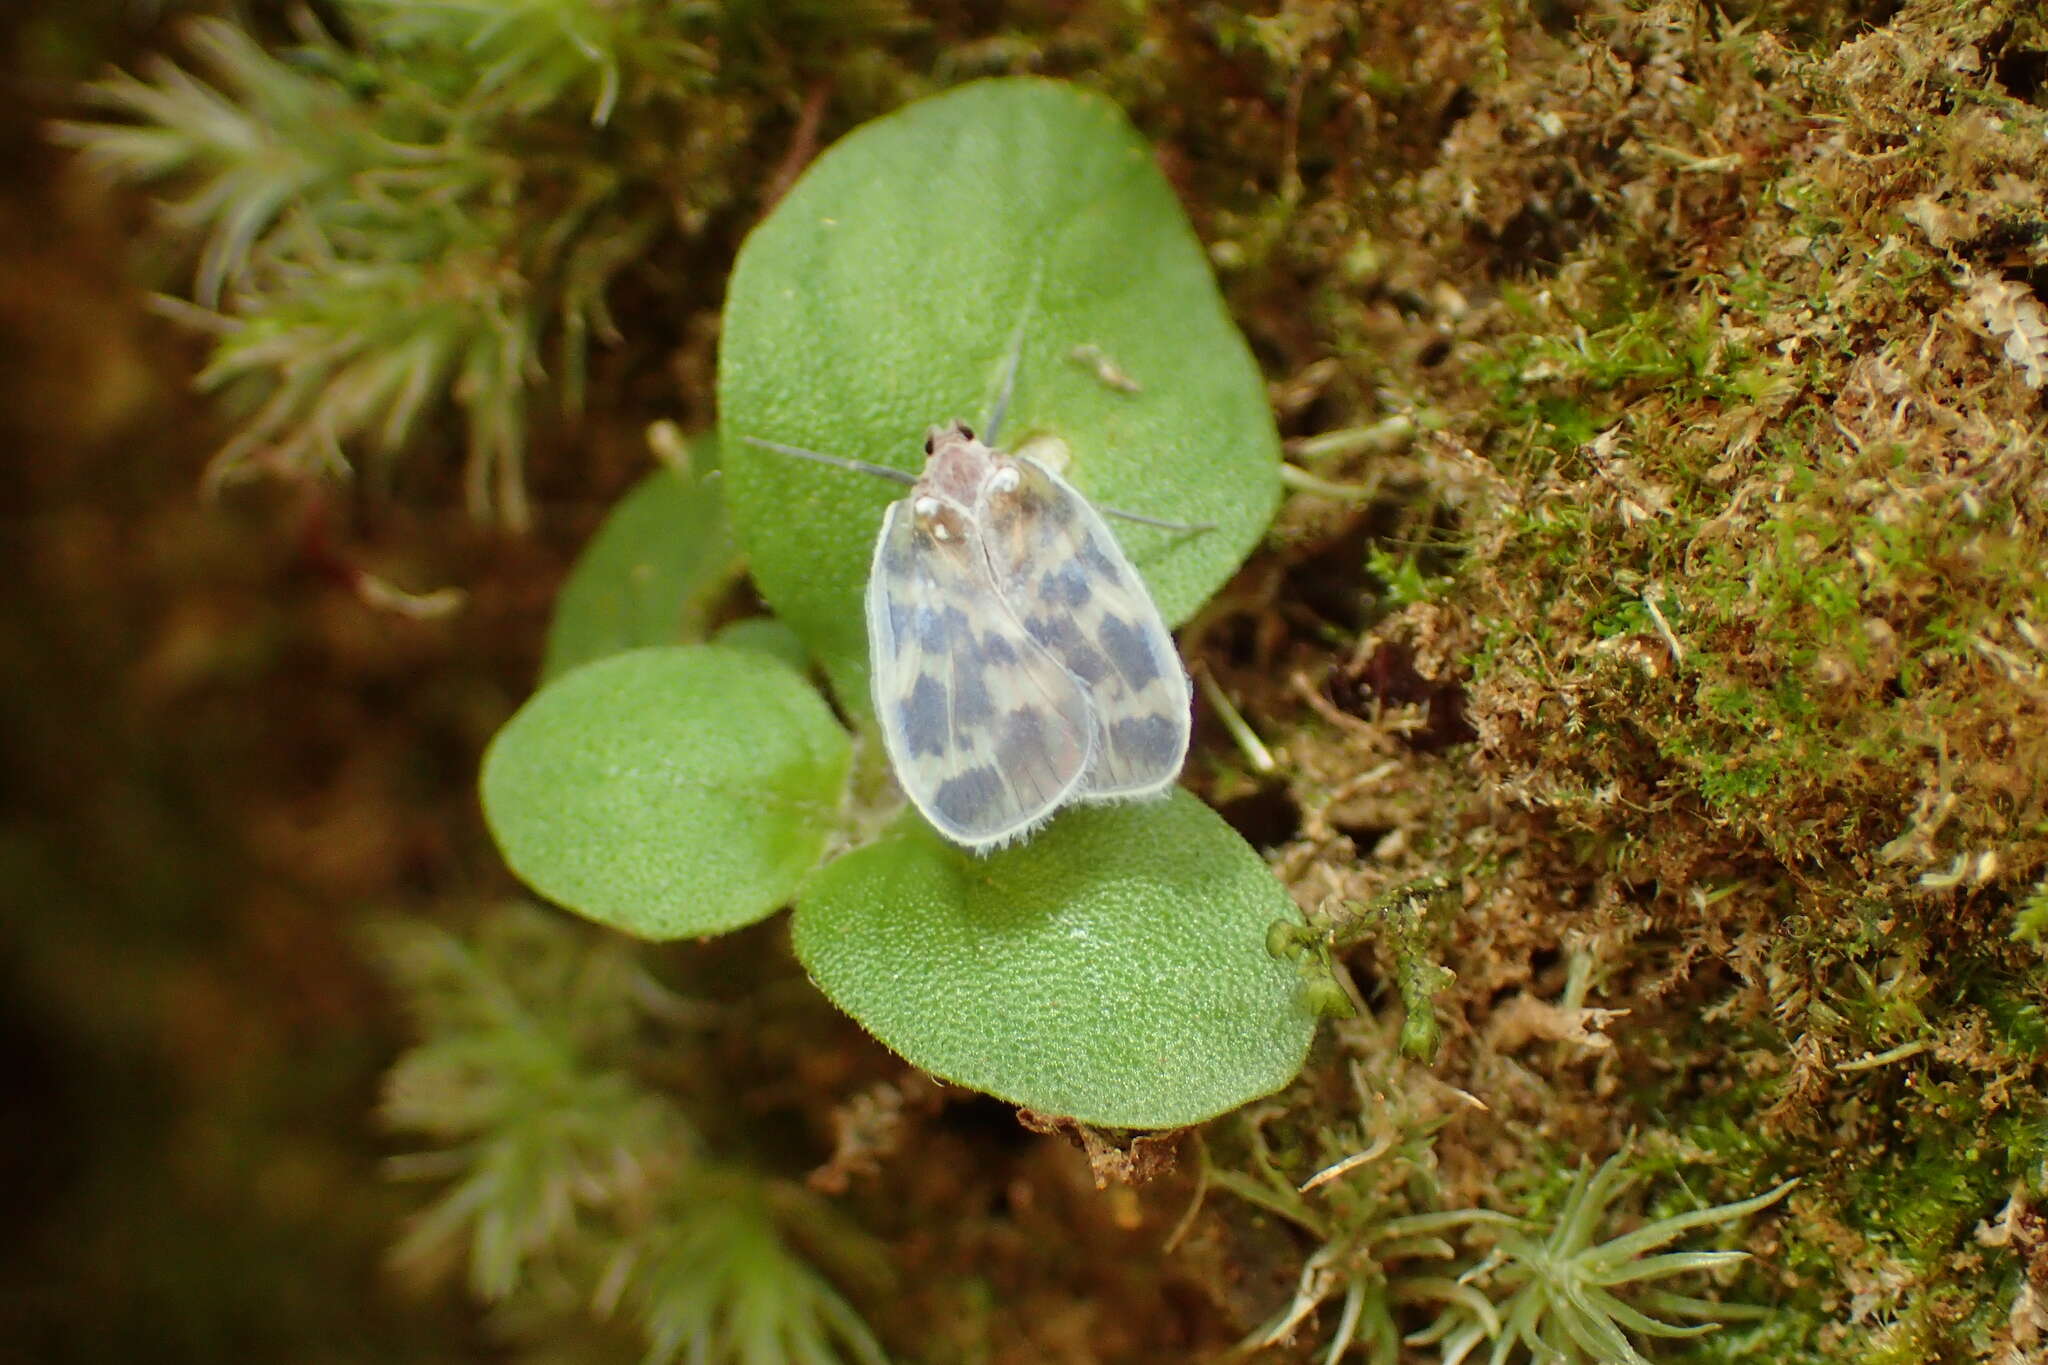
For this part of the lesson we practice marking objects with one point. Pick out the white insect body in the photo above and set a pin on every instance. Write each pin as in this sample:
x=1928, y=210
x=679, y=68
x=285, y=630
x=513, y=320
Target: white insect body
x=1018, y=663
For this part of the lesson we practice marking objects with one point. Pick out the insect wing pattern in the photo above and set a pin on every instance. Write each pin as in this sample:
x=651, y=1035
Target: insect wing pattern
x=988, y=733
x=1060, y=570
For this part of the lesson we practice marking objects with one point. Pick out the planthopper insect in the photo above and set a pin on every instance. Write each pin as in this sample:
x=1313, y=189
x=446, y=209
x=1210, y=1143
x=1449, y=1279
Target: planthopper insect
x=1018, y=663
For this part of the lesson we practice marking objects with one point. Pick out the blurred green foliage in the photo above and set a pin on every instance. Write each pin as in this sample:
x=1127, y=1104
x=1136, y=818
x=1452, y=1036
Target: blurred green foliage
x=424, y=206
x=574, y=1182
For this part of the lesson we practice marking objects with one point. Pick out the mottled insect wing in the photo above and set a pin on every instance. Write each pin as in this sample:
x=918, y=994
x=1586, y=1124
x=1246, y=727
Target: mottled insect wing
x=988, y=733
x=1062, y=573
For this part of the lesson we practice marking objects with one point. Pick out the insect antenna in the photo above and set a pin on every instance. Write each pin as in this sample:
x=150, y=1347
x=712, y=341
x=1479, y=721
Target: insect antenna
x=1002, y=404
x=1187, y=527
x=994, y=423
x=880, y=471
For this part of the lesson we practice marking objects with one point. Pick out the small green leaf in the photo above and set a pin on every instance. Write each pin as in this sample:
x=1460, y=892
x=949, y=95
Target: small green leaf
x=650, y=574
x=1116, y=973
x=885, y=294
x=668, y=792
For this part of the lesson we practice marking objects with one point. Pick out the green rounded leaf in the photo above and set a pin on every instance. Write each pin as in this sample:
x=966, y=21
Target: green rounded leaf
x=765, y=635
x=650, y=574
x=668, y=792
x=1116, y=973
x=885, y=294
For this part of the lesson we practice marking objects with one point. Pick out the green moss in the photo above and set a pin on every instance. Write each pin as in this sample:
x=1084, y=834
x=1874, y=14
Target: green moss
x=1751, y=646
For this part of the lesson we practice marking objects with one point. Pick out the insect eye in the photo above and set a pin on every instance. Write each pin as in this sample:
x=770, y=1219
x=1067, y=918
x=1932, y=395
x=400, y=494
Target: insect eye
x=927, y=445
x=964, y=430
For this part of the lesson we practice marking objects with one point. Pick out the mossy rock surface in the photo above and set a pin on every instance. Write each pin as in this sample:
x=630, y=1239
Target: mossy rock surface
x=1686, y=622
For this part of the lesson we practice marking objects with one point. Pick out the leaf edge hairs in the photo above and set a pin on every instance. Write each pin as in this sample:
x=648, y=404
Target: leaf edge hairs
x=997, y=706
